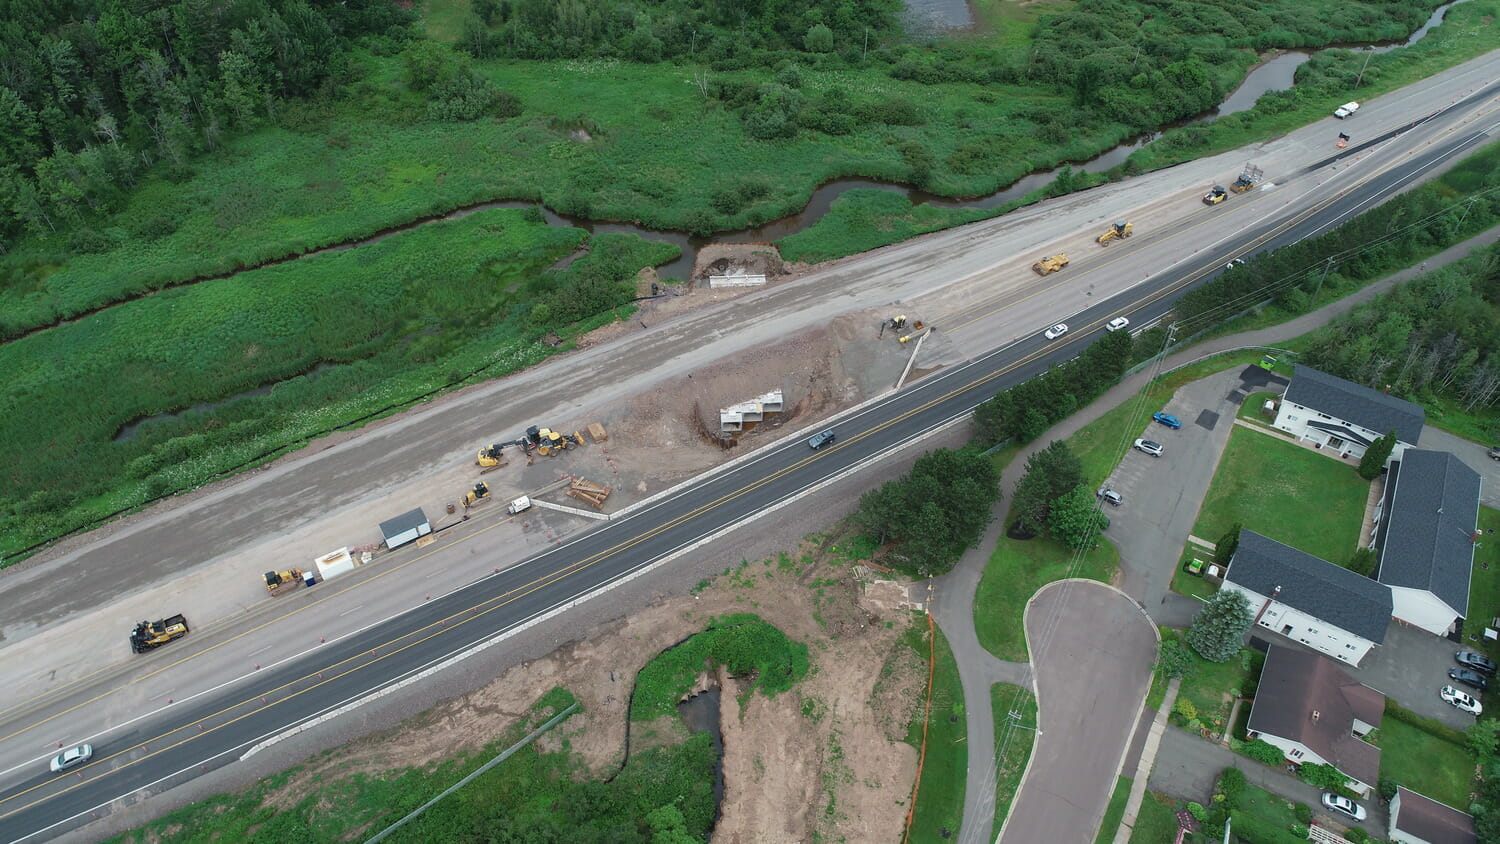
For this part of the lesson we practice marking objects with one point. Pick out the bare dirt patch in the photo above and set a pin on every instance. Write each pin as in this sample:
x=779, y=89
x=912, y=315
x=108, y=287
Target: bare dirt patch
x=825, y=759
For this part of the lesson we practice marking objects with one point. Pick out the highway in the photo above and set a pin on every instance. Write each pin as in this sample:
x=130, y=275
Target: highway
x=185, y=739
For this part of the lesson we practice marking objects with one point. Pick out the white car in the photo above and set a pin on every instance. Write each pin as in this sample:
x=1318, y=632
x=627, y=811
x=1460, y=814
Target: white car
x=1340, y=803
x=1149, y=447
x=72, y=757
x=1461, y=701
x=1346, y=110
x=1117, y=323
x=1056, y=331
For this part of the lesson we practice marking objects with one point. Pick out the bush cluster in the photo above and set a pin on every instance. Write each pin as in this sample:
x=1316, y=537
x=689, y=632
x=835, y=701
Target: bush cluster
x=1021, y=413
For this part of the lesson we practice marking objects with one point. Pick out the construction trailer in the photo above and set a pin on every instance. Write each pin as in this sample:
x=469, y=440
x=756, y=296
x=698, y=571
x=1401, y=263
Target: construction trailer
x=407, y=527
x=335, y=563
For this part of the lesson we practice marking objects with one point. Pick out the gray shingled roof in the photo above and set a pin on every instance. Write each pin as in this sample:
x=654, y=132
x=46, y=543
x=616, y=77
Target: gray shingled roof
x=1307, y=698
x=1424, y=537
x=1353, y=403
x=1315, y=586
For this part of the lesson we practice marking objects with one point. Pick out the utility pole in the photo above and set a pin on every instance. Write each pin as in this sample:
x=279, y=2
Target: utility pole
x=866, y=50
x=1368, y=53
x=1326, y=267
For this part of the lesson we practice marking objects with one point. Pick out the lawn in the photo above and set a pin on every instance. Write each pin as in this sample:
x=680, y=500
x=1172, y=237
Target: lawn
x=1211, y=685
x=1017, y=744
x=1193, y=585
x=1425, y=763
x=1251, y=408
x=1114, y=812
x=1156, y=823
x=1289, y=493
x=1484, y=584
x=940, y=795
x=1016, y=570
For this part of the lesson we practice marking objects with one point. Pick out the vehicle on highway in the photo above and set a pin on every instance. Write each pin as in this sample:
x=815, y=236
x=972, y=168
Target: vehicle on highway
x=1110, y=497
x=1167, y=419
x=1149, y=447
x=1462, y=701
x=820, y=440
x=1237, y=262
x=1117, y=323
x=1494, y=453
x=1472, y=679
x=1343, y=805
x=72, y=758
x=1477, y=661
x=1346, y=110
x=1056, y=331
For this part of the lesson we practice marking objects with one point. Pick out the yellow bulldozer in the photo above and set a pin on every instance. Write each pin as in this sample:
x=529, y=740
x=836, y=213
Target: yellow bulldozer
x=283, y=581
x=479, y=494
x=1117, y=231
x=490, y=458
x=1050, y=264
x=550, y=442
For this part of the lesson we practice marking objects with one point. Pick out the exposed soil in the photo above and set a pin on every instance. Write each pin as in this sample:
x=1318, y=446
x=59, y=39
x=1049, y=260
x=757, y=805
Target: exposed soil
x=823, y=760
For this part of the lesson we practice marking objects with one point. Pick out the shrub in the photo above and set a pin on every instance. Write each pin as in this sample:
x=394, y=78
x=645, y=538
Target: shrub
x=1198, y=812
x=1322, y=776
x=1357, y=835
x=1387, y=789
x=1232, y=785
x=1186, y=708
x=1263, y=751
x=1303, y=813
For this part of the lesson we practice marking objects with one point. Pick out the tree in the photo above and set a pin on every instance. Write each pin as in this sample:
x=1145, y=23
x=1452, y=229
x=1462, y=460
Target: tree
x=819, y=39
x=1075, y=518
x=1373, y=463
x=1050, y=473
x=935, y=512
x=1174, y=660
x=1219, y=626
x=1225, y=547
x=1363, y=561
x=1483, y=740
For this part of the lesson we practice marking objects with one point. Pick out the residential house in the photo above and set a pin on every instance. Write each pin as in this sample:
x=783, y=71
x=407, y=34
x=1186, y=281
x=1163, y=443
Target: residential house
x=1309, y=600
x=1415, y=819
x=1343, y=416
x=1315, y=713
x=1427, y=521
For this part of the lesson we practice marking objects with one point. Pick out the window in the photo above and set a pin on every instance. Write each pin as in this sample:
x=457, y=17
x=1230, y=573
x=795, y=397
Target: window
x=1286, y=630
x=1295, y=754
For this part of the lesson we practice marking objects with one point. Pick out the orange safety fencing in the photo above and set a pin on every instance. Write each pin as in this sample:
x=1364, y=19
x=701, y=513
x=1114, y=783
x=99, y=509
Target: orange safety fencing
x=926, y=719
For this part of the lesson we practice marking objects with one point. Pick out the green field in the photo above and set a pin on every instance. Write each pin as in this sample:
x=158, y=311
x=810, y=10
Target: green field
x=940, y=794
x=270, y=358
x=1015, y=571
x=1013, y=745
x=1425, y=763
x=1307, y=499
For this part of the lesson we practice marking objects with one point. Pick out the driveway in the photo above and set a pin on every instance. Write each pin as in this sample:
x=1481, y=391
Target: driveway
x=1409, y=667
x=1091, y=650
x=1474, y=455
x=1163, y=494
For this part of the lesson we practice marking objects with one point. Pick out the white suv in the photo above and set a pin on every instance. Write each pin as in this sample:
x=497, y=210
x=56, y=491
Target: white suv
x=1149, y=447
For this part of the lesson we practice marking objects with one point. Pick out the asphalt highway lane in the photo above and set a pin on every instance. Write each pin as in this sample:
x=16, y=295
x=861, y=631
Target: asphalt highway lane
x=186, y=739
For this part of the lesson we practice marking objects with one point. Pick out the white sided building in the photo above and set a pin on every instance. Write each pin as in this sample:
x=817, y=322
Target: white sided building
x=1343, y=416
x=1425, y=533
x=1309, y=600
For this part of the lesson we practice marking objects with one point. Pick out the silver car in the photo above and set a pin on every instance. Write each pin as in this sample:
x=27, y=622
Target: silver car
x=1150, y=447
x=1343, y=805
x=72, y=758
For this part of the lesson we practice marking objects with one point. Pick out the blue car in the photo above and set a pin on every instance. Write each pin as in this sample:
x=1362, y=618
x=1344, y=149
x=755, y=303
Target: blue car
x=1167, y=419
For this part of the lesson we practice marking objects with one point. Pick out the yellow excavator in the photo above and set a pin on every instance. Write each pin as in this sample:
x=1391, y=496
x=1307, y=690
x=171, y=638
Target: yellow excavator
x=1118, y=231
x=281, y=581
x=1050, y=264
x=480, y=493
x=489, y=458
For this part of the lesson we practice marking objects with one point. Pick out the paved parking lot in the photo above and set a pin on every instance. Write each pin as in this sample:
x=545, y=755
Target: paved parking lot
x=1409, y=668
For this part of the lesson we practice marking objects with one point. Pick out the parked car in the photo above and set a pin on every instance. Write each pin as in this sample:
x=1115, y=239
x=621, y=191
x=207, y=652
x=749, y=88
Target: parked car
x=1343, y=805
x=1346, y=110
x=72, y=758
x=1152, y=448
x=1461, y=701
x=1117, y=323
x=1472, y=679
x=1477, y=661
x=1056, y=331
x=820, y=440
x=1167, y=419
x=1110, y=496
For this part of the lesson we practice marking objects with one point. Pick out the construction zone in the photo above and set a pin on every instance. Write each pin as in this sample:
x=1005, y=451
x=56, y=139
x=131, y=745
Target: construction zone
x=1050, y=264
x=1117, y=231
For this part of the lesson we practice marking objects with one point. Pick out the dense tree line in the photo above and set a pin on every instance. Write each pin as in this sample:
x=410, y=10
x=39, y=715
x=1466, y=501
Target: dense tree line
x=934, y=513
x=92, y=92
x=1052, y=499
x=1024, y=411
x=1436, y=336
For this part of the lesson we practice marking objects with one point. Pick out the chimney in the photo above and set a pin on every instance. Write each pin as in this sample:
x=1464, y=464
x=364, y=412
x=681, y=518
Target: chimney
x=1315, y=714
x=1266, y=606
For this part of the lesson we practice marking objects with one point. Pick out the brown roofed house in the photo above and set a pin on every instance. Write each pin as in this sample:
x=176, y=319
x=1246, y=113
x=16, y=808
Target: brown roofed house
x=1307, y=706
x=1421, y=820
